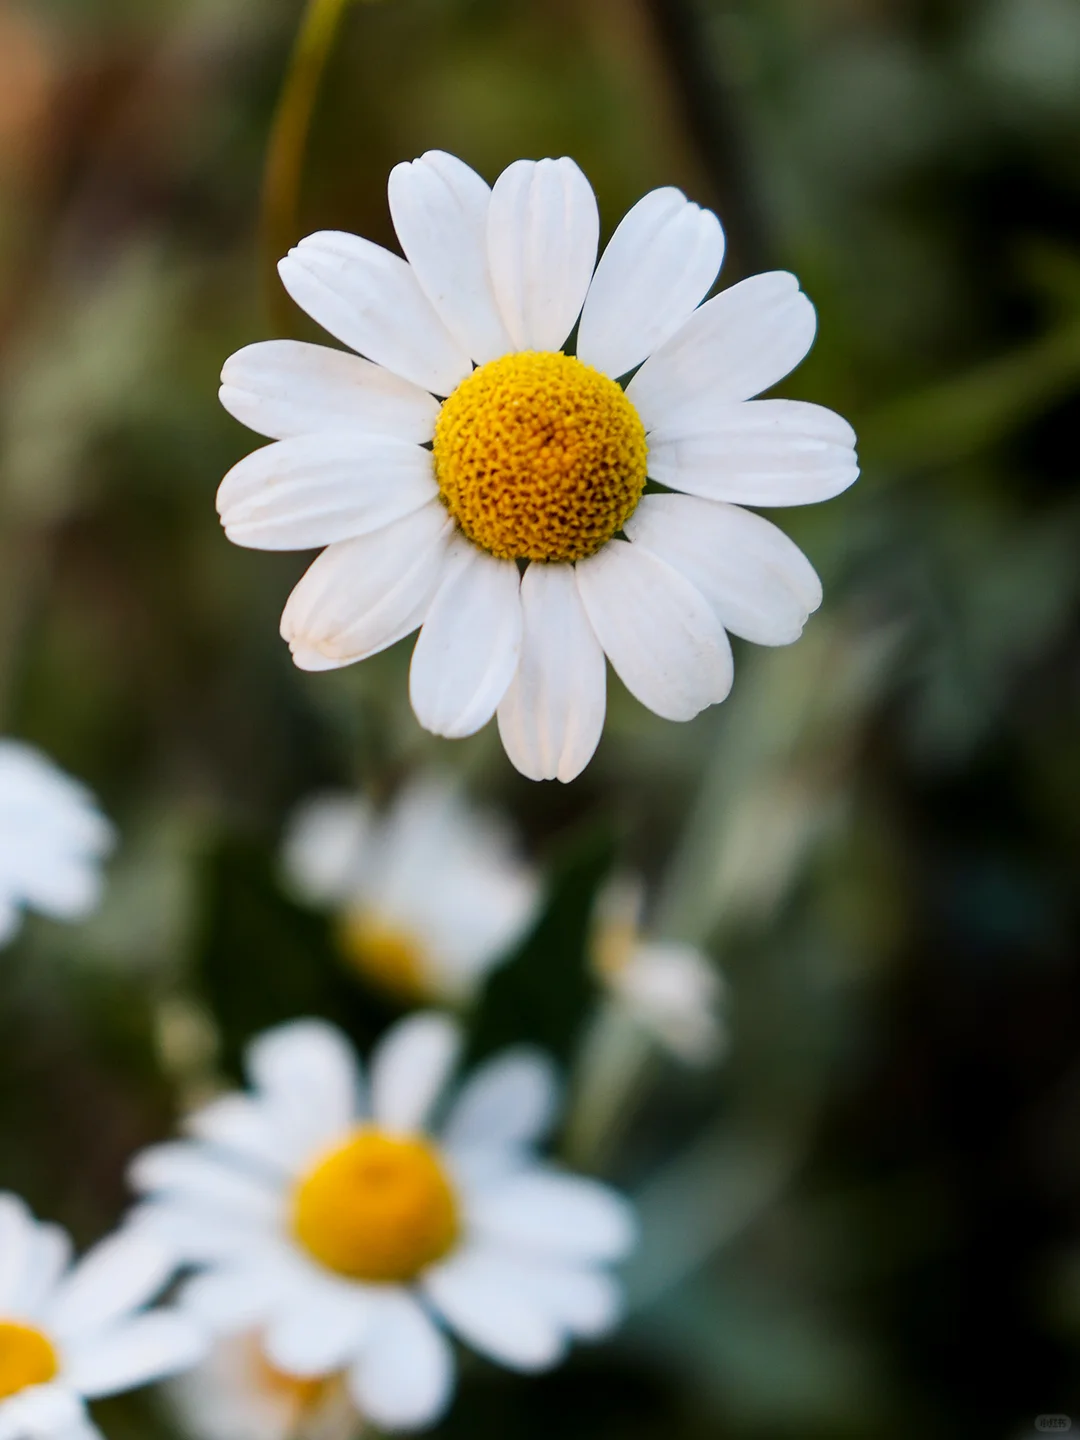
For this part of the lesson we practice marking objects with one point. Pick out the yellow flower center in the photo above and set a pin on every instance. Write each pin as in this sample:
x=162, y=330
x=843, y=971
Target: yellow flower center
x=378, y=1208
x=26, y=1358
x=614, y=943
x=301, y=1396
x=391, y=958
x=539, y=457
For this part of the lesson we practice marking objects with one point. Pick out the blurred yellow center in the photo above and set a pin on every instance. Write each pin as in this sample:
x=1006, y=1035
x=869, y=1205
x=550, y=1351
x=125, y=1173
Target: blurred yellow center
x=539, y=457
x=614, y=944
x=388, y=956
x=300, y=1395
x=379, y=1208
x=26, y=1358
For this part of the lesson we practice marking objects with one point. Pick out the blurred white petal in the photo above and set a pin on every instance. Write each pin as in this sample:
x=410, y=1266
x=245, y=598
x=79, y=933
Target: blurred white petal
x=410, y=1069
x=404, y=1378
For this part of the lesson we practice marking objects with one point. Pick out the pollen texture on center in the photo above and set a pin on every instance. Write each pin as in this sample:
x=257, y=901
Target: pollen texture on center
x=379, y=1208
x=540, y=457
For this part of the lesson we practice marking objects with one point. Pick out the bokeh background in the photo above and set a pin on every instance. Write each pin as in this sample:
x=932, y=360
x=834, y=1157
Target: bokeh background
x=864, y=1223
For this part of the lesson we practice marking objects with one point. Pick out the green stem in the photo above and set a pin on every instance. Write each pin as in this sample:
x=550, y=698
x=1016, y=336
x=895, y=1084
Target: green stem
x=289, y=136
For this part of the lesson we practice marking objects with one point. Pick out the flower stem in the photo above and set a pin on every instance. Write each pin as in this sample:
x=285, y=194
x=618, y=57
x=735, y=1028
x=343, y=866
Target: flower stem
x=289, y=135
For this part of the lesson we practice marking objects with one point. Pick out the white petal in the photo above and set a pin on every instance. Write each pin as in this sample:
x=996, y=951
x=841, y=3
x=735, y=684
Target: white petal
x=410, y=1068
x=309, y=1072
x=736, y=345
x=450, y=875
x=17, y=1236
x=674, y=992
x=657, y=629
x=552, y=716
x=404, y=1379
x=320, y=1332
x=440, y=212
x=38, y=794
x=119, y=1275
x=759, y=452
x=198, y=1230
x=44, y=876
x=660, y=263
x=49, y=1258
x=311, y=661
x=372, y=301
x=314, y=489
x=585, y=1302
x=282, y=388
x=45, y=1412
x=52, y=839
x=470, y=643
x=480, y=1301
x=82, y=1429
x=244, y=1127
x=147, y=1348
x=511, y=1100
x=328, y=846
x=228, y=1300
x=186, y=1171
x=360, y=596
x=759, y=582
x=543, y=230
x=563, y=1215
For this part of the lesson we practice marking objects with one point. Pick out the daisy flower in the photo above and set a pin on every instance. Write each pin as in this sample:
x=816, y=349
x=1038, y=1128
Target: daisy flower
x=671, y=990
x=471, y=477
x=53, y=839
x=236, y=1394
x=328, y=1215
x=430, y=895
x=74, y=1333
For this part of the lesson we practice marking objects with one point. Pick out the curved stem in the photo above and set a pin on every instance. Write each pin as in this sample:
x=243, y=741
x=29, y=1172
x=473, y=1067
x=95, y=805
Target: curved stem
x=289, y=135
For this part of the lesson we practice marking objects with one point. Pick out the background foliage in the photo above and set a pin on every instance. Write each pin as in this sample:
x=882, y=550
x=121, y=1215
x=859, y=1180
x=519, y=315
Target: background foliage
x=864, y=1224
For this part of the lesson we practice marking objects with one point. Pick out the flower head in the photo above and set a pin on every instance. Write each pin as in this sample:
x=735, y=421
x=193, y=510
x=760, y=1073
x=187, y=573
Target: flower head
x=429, y=895
x=68, y=1334
x=472, y=478
x=236, y=1394
x=53, y=838
x=330, y=1216
x=672, y=990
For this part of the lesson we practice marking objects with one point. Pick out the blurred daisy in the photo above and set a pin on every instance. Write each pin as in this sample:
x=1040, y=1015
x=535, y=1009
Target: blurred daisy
x=53, y=839
x=330, y=1217
x=509, y=520
x=670, y=989
x=430, y=895
x=236, y=1394
x=73, y=1334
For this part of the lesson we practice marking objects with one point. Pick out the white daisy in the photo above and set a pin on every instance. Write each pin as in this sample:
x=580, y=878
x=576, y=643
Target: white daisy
x=430, y=895
x=328, y=1216
x=670, y=989
x=69, y=1334
x=236, y=1394
x=509, y=520
x=53, y=839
